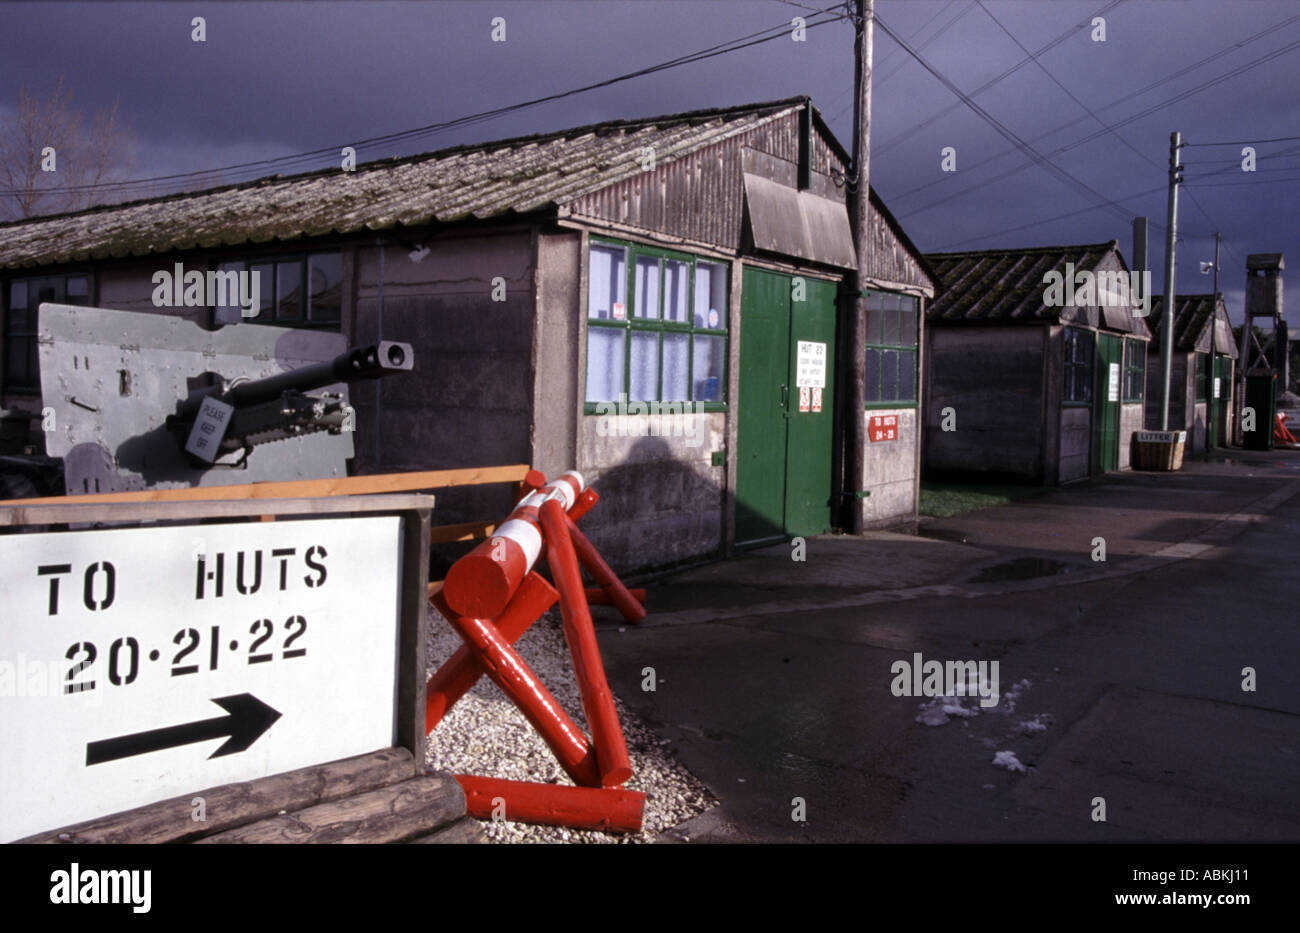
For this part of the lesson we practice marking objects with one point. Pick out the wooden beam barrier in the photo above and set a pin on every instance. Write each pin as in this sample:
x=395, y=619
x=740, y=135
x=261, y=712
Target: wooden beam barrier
x=396, y=813
x=229, y=806
x=303, y=489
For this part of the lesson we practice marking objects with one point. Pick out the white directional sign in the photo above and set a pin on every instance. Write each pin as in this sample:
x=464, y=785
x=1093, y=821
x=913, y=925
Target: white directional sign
x=144, y=663
x=810, y=365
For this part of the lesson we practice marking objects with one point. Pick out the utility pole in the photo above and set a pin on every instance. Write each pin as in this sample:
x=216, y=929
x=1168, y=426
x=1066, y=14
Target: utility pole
x=1218, y=238
x=859, y=205
x=1171, y=238
x=1211, y=398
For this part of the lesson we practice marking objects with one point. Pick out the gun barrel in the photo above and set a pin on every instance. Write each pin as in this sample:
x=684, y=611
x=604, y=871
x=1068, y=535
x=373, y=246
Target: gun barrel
x=358, y=364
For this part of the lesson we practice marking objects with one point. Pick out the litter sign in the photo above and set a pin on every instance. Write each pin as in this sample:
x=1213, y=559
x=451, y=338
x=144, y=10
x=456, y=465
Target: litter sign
x=139, y=664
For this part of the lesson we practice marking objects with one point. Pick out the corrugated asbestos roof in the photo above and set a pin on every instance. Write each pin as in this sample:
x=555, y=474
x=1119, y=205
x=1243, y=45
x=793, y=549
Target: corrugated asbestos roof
x=1194, y=317
x=1004, y=284
x=480, y=181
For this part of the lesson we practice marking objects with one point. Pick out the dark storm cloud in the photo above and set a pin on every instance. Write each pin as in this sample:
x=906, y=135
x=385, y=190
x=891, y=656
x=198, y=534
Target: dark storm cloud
x=280, y=78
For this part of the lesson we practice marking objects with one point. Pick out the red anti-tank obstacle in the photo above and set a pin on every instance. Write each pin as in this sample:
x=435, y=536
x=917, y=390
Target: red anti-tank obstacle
x=490, y=597
x=613, y=809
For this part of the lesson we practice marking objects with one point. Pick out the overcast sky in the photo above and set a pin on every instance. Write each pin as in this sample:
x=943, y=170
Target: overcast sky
x=275, y=79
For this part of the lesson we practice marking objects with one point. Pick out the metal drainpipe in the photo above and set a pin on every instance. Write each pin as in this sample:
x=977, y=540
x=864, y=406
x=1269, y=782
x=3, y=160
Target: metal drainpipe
x=379, y=241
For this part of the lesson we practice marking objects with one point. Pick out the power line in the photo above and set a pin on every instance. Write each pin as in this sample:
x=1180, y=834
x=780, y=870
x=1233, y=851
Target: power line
x=1088, y=110
x=1140, y=91
x=1039, y=223
x=1001, y=128
x=908, y=134
x=1261, y=181
x=411, y=135
x=1247, y=142
x=1066, y=148
x=877, y=82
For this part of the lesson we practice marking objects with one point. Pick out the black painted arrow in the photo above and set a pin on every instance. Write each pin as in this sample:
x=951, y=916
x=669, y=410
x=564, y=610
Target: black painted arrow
x=248, y=718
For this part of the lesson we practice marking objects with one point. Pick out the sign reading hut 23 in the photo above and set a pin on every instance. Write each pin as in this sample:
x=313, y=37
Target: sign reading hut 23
x=146, y=663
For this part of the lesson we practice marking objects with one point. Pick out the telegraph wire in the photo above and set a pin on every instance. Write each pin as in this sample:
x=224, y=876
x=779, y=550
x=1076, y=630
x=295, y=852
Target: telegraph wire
x=1000, y=127
x=1127, y=97
x=411, y=135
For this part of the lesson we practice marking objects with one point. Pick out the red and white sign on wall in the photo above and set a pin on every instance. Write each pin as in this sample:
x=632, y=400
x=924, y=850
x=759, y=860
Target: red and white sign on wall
x=817, y=398
x=804, y=398
x=882, y=427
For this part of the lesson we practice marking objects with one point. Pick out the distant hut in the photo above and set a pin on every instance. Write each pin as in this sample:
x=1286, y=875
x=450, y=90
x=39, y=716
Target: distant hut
x=1201, y=370
x=1029, y=383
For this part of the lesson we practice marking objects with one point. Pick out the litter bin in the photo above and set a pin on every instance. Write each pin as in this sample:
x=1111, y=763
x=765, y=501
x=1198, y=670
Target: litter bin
x=1158, y=450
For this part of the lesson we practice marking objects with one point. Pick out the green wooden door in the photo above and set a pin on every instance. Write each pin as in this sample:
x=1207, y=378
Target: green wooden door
x=783, y=454
x=810, y=432
x=761, y=419
x=1106, y=402
x=1219, y=406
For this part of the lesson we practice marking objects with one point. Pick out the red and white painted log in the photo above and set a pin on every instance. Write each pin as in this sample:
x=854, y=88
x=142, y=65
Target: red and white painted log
x=580, y=633
x=633, y=609
x=463, y=669
x=613, y=809
x=481, y=583
x=517, y=681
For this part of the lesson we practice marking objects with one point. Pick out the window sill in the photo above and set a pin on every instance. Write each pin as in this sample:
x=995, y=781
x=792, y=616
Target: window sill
x=590, y=408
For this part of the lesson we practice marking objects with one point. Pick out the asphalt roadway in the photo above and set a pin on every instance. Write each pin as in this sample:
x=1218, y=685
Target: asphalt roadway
x=1120, y=680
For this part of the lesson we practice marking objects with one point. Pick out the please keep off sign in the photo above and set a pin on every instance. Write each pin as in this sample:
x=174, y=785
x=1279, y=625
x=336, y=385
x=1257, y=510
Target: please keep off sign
x=143, y=663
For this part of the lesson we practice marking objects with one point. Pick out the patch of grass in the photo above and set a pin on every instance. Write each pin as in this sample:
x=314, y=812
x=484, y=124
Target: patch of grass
x=943, y=500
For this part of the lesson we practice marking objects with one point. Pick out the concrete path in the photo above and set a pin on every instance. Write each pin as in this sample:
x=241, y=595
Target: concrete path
x=1119, y=680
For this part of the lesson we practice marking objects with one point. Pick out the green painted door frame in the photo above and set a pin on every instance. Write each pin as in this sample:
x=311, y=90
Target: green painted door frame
x=1219, y=406
x=1106, y=403
x=783, y=453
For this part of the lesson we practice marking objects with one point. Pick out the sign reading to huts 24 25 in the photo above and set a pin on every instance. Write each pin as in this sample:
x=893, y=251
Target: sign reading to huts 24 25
x=142, y=663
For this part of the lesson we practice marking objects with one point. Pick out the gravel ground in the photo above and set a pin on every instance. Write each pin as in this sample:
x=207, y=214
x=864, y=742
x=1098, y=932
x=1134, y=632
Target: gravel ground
x=484, y=734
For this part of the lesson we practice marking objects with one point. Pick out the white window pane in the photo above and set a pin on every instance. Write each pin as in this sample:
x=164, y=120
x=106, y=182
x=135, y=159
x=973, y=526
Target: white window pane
x=607, y=284
x=228, y=311
x=676, y=278
x=78, y=288
x=889, y=318
x=645, y=368
x=709, y=355
x=604, y=364
x=907, y=324
x=647, y=287
x=710, y=295
x=677, y=348
x=18, y=295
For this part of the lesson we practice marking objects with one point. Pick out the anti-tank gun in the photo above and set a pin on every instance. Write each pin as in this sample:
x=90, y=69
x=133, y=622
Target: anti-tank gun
x=238, y=415
x=143, y=400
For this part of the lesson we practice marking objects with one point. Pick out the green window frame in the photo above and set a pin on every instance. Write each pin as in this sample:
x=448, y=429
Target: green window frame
x=1077, y=355
x=892, y=350
x=656, y=326
x=1135, y=370
x=303, y=290
x=1202, y=377
x=22, y=300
